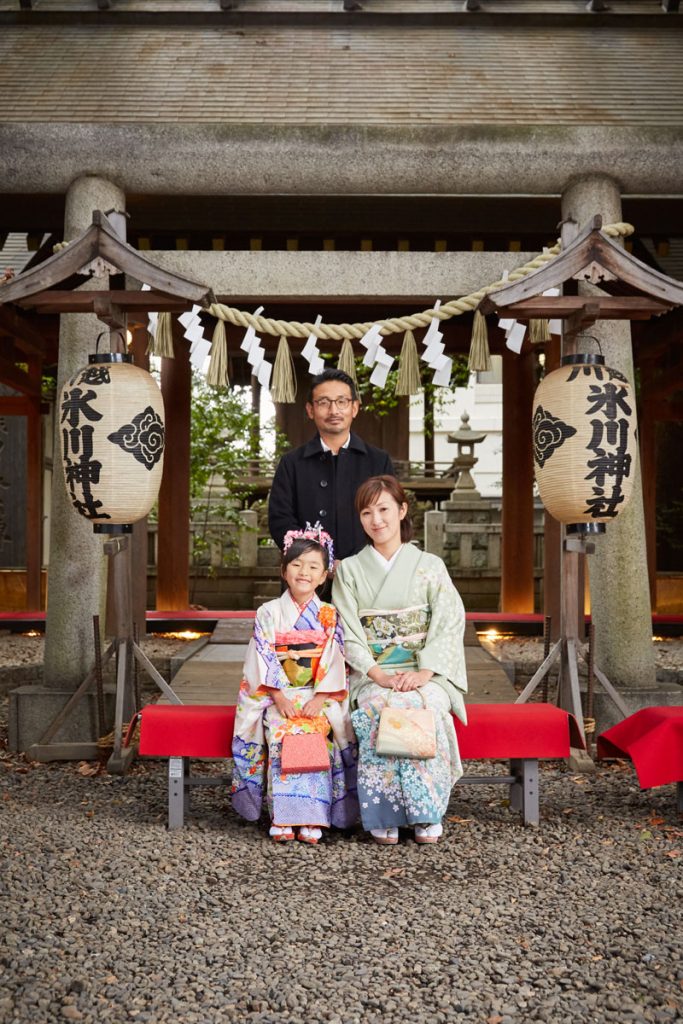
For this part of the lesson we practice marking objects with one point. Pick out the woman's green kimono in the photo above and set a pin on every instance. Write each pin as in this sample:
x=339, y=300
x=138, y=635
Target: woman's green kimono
x=408, y=618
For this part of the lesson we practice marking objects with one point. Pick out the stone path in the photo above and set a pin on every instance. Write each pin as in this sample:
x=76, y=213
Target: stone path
x=212, y=674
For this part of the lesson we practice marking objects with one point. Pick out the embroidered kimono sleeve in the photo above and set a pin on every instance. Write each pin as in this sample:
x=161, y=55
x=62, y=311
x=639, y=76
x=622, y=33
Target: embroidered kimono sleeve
x=443, y=651
x=262, y=667
x=356, y=649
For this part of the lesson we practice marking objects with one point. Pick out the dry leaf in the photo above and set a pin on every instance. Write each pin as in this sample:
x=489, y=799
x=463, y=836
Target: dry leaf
x=494, y=1019
x=460, y=821
x=672, y=853
x=393, y=872
x=87, y=769
x=653, y=820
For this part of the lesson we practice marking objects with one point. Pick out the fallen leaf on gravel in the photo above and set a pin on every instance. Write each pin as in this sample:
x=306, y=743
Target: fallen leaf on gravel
x=672, y=853
x=653, y=820
x=645, y=834
x=459, y=820
x=84, y=768
x=495, y=1019
x=393, y=872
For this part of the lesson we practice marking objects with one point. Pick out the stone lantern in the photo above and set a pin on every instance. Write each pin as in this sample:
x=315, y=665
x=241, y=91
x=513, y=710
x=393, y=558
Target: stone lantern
x=465, y=438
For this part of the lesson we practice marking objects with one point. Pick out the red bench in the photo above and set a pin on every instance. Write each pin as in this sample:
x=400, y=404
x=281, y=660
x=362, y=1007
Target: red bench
x=519, y=733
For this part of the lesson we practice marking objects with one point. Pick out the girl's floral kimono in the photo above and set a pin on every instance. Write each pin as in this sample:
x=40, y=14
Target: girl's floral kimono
x=300, y=652
x=406, y=619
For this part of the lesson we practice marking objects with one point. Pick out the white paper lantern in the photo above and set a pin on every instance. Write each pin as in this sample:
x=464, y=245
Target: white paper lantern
x=584, y=433
x=112, y=436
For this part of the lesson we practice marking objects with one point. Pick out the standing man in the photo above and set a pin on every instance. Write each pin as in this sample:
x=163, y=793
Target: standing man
x=318, y=480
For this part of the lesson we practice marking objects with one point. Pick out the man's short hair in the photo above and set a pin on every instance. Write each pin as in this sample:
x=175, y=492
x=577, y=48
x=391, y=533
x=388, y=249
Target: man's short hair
x=322, y=378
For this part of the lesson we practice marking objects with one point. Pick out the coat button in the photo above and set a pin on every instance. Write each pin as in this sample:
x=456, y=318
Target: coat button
x=323, y=483
x=322, y=512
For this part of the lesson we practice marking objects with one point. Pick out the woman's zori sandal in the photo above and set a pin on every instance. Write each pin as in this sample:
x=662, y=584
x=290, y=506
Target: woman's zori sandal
x=310, y=835
x=428, y=833
x=385, y=836
x=281, y=833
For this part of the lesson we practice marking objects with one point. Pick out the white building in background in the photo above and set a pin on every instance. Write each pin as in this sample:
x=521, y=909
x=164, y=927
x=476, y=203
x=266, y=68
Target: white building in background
x=482, y=399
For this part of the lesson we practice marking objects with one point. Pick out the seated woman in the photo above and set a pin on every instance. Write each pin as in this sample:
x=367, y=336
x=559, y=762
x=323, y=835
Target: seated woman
x=403, y=624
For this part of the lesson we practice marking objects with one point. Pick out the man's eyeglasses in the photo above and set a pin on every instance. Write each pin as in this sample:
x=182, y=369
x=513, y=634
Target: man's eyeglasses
x=326, y=403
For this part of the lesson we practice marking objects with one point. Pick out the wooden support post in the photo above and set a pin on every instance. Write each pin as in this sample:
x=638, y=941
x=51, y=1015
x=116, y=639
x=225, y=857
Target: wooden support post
x=34, y=492
x=174, y=496
x=552, y=531
x=647, y=432
x=517, y=521
x=140, y=542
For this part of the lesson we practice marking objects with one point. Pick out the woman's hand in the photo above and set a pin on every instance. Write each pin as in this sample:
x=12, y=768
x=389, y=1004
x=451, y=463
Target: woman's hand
x=314, y=706
x=284, y=705
x=382, y=678
x=406, y=681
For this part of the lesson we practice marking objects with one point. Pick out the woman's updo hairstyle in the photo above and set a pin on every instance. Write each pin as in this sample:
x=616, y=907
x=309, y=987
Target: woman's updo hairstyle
x=368, y=493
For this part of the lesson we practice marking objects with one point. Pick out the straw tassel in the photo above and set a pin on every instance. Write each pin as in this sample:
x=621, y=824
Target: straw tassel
x=283, y=386
x=217, y=375
x=480, y=356
x=347, y=360
x=161, y=343
x=408, y=382
x=539, y=331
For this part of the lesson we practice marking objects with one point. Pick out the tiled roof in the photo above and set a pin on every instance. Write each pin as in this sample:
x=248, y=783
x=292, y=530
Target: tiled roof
x=512, y=7
x=320, y=76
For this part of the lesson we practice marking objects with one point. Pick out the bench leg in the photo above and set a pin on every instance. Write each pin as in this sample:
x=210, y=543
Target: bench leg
x=178, y=768
x=679, y=797
x=524, y=792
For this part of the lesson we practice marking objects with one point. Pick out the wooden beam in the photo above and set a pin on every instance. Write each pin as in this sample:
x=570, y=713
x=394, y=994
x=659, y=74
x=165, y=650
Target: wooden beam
x=57, y=301
x=23, y=331
x=609, y=307
x=517, y=520
x=552, y=531
x=173, y=561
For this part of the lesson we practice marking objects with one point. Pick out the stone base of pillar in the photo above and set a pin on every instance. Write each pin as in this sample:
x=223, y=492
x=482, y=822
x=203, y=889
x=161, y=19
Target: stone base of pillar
x=32, y=708
x=606, y=714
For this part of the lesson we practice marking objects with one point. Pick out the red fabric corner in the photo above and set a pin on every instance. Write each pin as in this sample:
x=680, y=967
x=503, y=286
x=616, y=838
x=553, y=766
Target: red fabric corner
x=187, y=730
x=653, y=739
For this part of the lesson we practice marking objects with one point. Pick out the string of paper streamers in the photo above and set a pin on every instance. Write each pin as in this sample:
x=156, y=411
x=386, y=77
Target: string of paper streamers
x=372, y=332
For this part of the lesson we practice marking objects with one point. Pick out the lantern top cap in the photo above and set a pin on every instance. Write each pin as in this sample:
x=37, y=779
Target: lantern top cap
x=583, y=359
x=110, y=357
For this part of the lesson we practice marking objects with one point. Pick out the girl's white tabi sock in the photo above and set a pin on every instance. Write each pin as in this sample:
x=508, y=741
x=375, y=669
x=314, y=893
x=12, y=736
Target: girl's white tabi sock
x=277, y=830
x=310, y=833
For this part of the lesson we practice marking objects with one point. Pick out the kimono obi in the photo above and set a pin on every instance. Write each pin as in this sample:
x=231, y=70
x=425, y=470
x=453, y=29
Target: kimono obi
x=299, y=653
x=395, y=636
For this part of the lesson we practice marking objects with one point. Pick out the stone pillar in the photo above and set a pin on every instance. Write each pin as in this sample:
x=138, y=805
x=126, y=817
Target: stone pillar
x=77, y=569
x=620, y=599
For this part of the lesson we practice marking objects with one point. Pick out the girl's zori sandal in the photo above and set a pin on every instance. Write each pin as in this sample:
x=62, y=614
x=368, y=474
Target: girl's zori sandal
x=309, y=835
x=281, y=834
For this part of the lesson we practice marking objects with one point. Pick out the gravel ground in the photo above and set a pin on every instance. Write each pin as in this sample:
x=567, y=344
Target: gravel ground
x=529, y=650
x=110, y=918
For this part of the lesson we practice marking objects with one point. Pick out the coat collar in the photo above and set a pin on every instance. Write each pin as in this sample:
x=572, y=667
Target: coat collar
x=313, y=447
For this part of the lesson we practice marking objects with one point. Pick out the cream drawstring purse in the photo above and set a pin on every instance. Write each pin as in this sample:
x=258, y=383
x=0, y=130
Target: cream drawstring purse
x=406, y=732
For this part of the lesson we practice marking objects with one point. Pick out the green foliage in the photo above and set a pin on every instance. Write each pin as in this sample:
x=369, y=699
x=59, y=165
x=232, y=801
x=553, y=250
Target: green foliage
x=225, y=452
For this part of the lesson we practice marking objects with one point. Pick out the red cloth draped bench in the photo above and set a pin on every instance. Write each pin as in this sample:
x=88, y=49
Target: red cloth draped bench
x=519, y=733
x=653, y=739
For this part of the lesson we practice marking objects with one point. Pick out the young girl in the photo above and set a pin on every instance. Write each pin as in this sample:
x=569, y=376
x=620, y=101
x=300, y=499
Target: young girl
x=295, y=681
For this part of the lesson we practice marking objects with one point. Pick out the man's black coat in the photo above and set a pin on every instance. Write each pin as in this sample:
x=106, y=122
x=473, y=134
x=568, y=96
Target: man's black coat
x=311, y=485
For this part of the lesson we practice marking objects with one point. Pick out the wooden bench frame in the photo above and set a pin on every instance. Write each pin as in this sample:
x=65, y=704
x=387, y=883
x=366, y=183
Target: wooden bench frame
x=521, y=734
